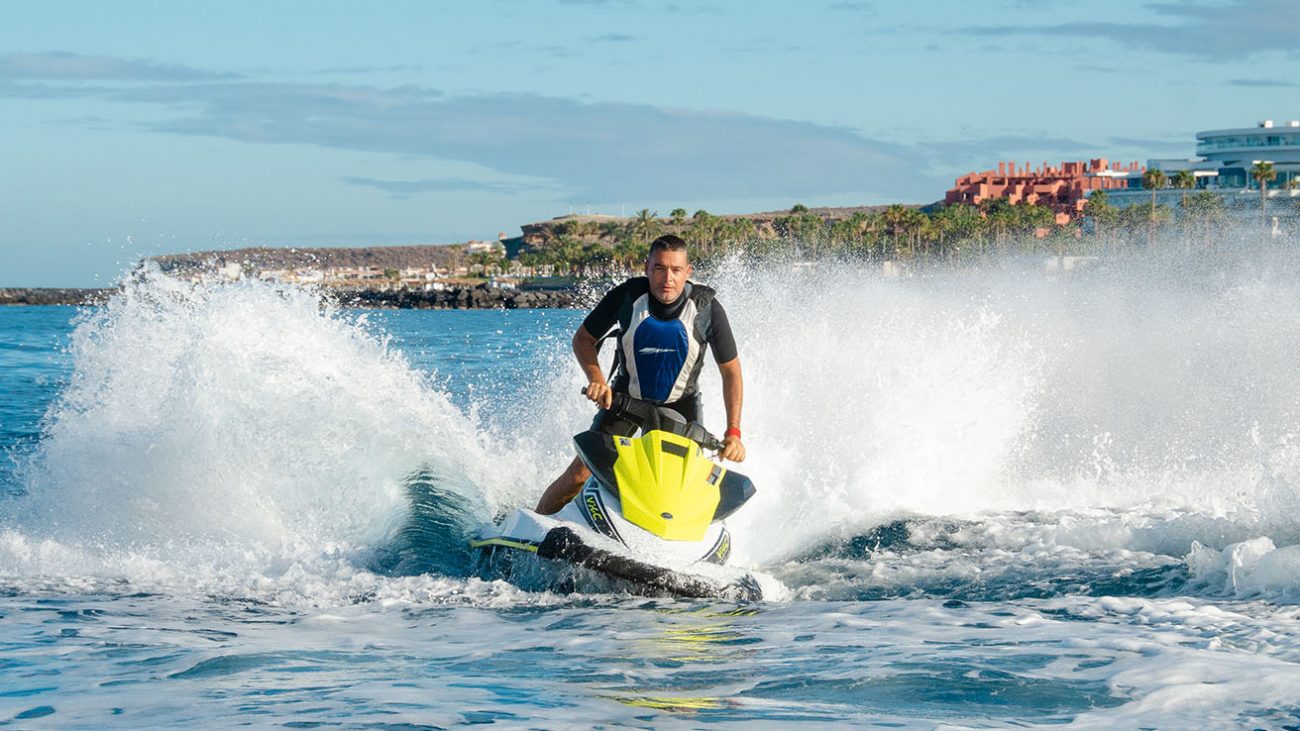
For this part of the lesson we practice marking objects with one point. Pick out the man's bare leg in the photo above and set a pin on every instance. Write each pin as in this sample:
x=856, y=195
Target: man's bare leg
x=560, y=492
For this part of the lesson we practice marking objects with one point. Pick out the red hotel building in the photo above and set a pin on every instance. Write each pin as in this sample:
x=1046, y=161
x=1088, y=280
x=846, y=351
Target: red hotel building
x=1064, y=189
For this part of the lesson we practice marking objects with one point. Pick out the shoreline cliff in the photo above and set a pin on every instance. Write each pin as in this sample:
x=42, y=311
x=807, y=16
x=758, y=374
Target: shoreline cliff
x=468, y=297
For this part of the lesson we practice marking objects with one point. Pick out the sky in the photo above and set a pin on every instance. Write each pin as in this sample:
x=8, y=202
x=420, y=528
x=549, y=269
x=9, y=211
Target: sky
x=135, y=128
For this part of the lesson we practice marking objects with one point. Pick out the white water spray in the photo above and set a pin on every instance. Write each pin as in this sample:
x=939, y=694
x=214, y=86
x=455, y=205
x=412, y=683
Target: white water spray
x=245, y=424
x=250, y=425
x=1142, y=385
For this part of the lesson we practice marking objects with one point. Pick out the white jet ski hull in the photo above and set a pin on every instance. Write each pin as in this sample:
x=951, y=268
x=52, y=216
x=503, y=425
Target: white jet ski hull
x=590, y=533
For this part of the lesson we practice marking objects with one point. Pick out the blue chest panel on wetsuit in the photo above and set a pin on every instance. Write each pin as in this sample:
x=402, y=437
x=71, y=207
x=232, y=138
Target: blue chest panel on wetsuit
x=660, y=348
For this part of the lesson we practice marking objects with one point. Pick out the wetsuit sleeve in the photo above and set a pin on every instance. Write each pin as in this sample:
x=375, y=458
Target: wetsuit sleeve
x=721, y=341
x=605, y=314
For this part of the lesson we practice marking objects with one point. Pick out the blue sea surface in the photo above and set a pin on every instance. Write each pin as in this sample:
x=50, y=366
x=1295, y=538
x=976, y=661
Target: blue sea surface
x=33, y=369
x=983, y=503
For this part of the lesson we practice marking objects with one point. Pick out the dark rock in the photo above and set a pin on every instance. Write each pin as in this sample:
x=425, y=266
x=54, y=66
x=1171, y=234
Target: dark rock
x=53, y=296
x=474, y=296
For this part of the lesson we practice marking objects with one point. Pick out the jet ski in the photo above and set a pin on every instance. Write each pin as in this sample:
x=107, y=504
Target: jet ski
x=649, y=520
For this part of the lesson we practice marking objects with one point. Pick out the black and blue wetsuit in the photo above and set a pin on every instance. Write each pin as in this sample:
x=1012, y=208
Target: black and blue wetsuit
x=660, y=347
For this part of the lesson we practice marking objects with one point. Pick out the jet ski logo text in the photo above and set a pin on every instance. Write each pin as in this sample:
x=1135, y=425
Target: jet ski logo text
x=597, y=514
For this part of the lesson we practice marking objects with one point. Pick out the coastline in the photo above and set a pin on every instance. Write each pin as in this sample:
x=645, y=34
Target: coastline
x=475, y=297
x=52, y=296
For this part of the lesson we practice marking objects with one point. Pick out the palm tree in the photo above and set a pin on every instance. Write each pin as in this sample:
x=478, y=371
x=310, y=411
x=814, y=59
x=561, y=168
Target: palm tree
x=628, y=253
x=586, y=229
x=927, y=231
x=1102, y=214
x=1204, y=210
x=1184, y=180
x=611, y=230
x=678, y=216
x=1153, y=180
x=529, y=261
x=741, y=229
x=481, y=260
x=645, y=225
x=862, y=229
x=896, y=221
x=703, y=230
x=1030, y=218
x=803, y=228
x=955, y=225
x=1000, y=216
x=595, y=256
x=1264, y=173
x=563, y=253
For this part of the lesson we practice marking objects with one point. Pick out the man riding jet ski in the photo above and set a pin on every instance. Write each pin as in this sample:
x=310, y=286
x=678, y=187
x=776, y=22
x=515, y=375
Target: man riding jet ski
x=629, y=507
x=650, y=517
x=661, y=326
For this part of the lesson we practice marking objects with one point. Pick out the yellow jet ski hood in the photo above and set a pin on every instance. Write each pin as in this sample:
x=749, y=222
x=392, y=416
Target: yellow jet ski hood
x=665, y=483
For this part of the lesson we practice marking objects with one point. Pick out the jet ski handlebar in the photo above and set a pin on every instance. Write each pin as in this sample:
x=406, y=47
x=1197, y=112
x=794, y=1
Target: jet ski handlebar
x=649, y=415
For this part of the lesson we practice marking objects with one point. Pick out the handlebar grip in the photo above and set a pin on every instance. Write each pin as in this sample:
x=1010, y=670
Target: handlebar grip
x=619, y=402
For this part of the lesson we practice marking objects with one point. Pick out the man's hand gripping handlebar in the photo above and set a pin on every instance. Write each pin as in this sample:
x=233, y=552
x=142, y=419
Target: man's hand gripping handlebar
x=621, y=404
x=600, y=394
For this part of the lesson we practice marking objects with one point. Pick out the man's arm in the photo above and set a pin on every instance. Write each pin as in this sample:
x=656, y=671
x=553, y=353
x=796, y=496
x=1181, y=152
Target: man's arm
x=598, y=322
x=733, y=396
x=584, y=349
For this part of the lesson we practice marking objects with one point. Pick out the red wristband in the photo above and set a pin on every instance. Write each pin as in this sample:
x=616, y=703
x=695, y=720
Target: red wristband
x=731, y=432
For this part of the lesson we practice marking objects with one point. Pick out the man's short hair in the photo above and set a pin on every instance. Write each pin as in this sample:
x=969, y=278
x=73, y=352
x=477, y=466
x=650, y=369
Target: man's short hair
x=668, y=242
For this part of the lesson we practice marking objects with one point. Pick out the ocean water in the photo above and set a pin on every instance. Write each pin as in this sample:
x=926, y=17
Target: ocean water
x=988, y=497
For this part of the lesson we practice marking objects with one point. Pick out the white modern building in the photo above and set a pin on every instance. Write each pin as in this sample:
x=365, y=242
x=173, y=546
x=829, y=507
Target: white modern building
x=1226, y=157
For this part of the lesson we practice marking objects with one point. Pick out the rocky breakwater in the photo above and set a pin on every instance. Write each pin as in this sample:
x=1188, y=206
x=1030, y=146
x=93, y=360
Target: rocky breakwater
x=481, y=297
x=49, y=296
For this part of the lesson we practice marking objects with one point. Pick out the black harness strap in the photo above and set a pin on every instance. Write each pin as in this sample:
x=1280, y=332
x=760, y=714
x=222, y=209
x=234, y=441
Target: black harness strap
x=618, y=353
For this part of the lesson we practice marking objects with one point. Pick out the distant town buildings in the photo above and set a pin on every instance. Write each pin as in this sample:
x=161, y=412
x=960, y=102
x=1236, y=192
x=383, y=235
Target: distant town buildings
x=482, y=247
x=416, y=267
x=1226, y=157
x=1063, y=188
x=422, y=278
x=1224, y=163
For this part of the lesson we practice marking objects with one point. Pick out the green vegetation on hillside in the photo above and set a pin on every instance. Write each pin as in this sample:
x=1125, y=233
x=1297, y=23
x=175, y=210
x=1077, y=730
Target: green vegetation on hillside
x=952, y=233
x=582, y=245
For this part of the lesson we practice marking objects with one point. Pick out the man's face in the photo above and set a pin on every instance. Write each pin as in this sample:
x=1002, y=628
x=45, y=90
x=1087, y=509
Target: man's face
x=668, y=272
